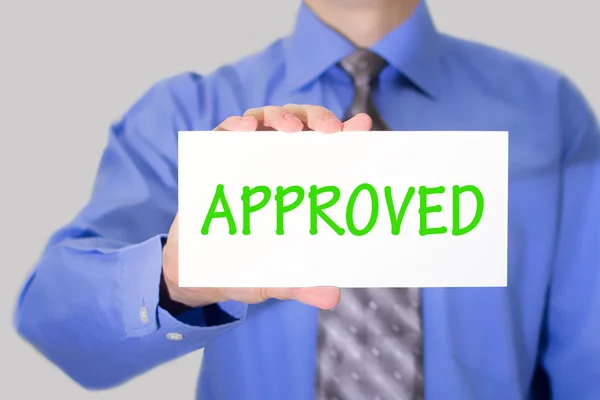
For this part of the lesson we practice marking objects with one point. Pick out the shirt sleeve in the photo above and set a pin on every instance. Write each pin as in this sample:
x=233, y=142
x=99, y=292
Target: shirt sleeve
x=571, y=353
x=91, y=304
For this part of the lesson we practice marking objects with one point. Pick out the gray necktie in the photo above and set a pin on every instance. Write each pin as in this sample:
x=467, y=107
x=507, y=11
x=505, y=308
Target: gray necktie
x=369, y=345
x=363, y=67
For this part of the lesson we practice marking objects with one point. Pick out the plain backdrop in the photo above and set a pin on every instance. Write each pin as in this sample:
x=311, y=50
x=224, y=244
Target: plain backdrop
x=70, y=68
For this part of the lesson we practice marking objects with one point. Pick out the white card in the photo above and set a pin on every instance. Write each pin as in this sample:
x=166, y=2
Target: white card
x=277, y=230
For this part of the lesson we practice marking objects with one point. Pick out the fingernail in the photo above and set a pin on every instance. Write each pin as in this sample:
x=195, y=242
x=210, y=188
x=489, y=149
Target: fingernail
x=247, y=118
x=288, y=116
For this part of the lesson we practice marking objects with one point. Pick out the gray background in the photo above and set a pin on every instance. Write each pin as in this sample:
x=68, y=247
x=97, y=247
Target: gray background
x=69, y=68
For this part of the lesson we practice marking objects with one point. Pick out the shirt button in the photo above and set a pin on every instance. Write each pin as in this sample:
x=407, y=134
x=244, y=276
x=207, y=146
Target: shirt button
x=174, y=336
x=144, y=315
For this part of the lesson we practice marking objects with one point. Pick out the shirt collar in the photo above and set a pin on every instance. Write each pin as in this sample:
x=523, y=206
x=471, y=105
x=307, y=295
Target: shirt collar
x=413, y=48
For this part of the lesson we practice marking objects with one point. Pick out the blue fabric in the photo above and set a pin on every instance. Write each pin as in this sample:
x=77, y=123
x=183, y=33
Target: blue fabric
x=81, y=306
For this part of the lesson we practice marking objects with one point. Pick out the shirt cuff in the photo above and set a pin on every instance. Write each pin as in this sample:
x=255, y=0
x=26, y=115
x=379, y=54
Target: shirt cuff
x=141, y=270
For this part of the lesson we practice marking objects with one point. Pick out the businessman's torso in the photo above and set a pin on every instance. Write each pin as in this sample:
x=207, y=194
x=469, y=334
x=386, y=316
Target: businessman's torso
x=478, y=341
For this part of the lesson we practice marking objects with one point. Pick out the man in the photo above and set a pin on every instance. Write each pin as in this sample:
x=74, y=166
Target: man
x=104, y=306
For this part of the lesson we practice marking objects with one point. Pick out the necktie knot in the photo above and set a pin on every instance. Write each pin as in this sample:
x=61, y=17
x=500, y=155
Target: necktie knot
x=363, y=66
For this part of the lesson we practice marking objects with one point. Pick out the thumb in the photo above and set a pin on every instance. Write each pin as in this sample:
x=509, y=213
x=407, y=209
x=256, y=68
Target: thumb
x=320, y=297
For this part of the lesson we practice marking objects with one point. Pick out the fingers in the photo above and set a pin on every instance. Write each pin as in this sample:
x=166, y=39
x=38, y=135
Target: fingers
x=320, y=297
x=360, y=122
x=240, y=124
x=316, y=118
x=275, y=118
x=294, y=118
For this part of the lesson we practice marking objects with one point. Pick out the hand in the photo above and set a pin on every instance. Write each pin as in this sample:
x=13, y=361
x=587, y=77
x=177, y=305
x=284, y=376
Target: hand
x=293, y=118
x=289, y=118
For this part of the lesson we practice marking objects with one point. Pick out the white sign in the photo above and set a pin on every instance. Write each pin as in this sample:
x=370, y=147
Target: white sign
x=350, y=209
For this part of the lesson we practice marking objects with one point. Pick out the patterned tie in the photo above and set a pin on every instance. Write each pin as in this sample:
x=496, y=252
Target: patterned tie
x=369, y=345
x=363, y=67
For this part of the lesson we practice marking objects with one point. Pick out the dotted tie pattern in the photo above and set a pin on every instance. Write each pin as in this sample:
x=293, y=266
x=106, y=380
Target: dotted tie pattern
x=370, y=345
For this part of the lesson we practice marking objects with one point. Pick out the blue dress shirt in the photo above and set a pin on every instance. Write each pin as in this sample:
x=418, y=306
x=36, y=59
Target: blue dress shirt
x=91, y=306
